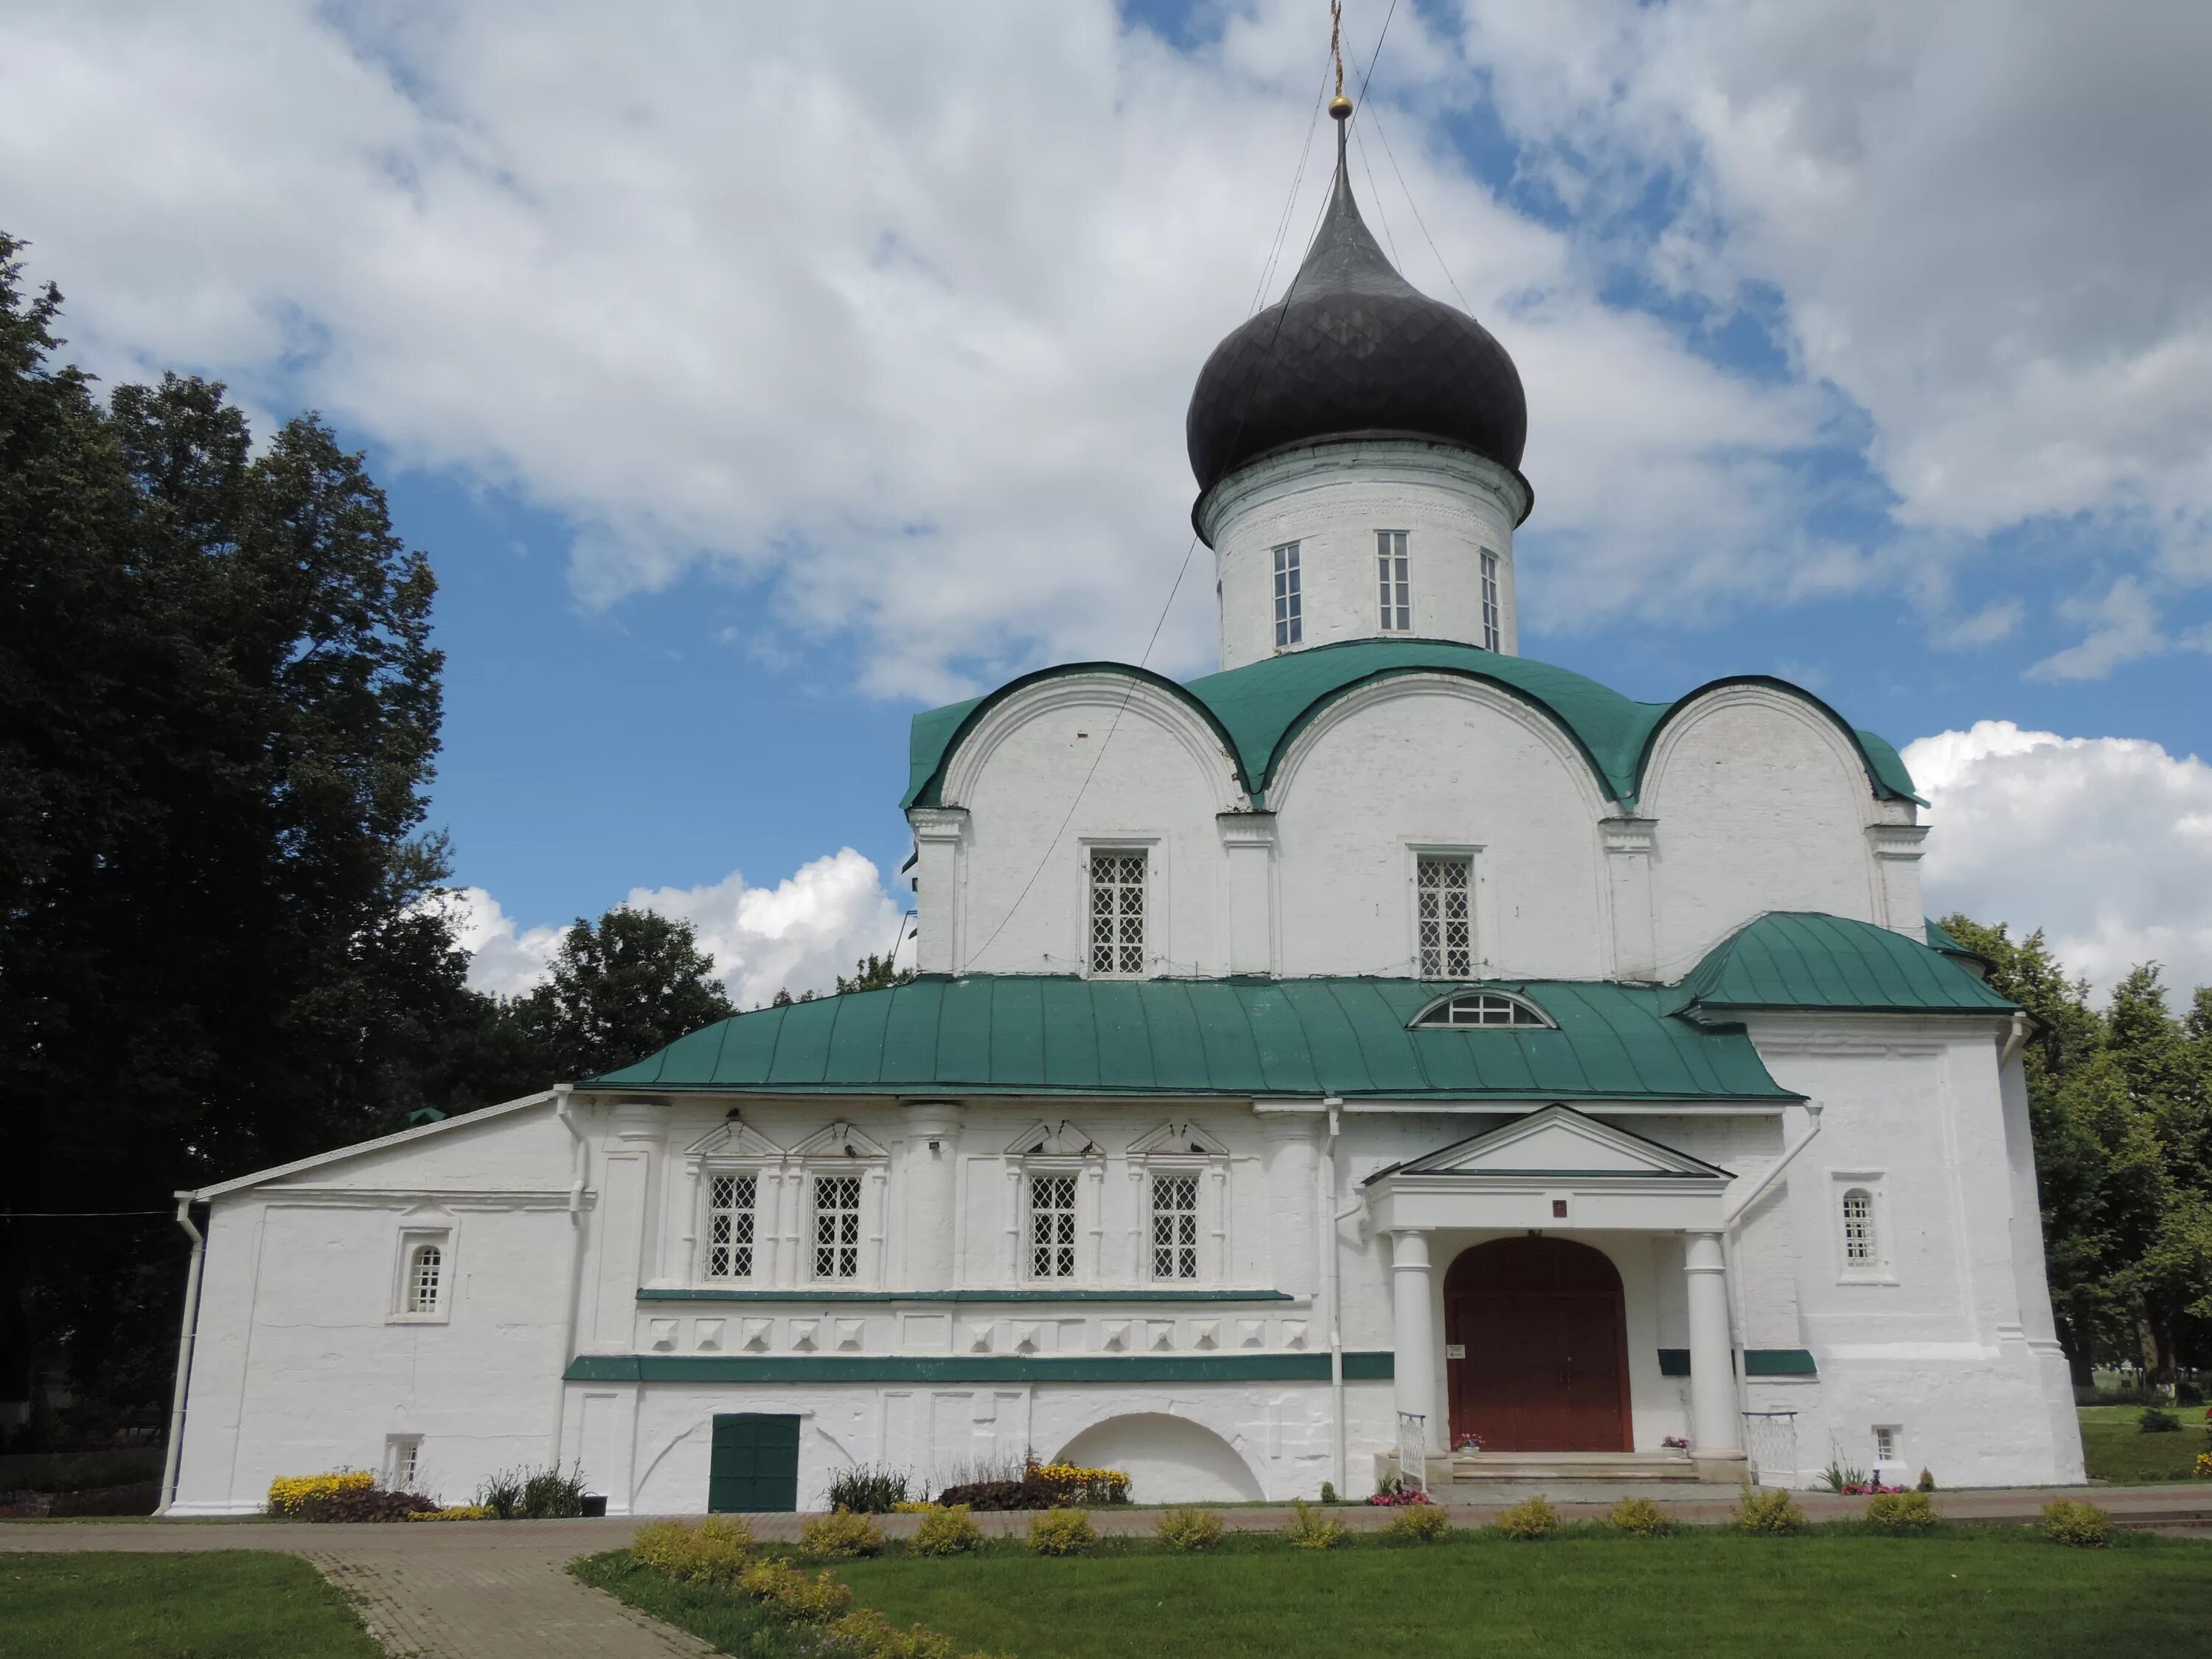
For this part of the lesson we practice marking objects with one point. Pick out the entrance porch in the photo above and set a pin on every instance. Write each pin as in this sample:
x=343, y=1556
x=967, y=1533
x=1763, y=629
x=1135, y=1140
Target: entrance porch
x=1536, y=1272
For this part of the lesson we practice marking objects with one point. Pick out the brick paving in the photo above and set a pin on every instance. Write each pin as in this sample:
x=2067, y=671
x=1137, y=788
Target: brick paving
x=494, y=1590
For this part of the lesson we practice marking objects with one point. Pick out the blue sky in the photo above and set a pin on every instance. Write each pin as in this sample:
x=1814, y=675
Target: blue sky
x=752, y=386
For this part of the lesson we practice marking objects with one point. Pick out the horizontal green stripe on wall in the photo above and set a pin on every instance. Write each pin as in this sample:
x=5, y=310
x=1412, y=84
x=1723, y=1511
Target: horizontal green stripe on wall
x=1365, y=1366
x=1757, y=1362
x=802, y=1295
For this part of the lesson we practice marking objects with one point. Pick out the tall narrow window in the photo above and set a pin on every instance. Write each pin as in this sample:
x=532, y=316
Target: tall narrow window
x=1858, y=1228
x=1117, y=912
x=836, y=1226
x=1397, y=596
x=1444, y=915
x=729, y=1204
x=1052, y=1226
x=1492, y=634
x=1289, y=610
x=424, y=1265
x=1174, y=1226
x=1885, y=1444
x=405, y=1461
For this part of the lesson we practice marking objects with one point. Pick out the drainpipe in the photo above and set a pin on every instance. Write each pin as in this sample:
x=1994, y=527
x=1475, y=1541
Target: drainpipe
x=564, y=1108
x=1730, y=1218
x=1328, y=1221
x=2023, y=1027
x=188, y=1328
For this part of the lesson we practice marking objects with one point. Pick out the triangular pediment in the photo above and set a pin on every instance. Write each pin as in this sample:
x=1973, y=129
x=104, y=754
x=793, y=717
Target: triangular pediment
x=840, y=1139
x=1560, y=1141
x=1177, y=1140
x=733, y=1139
x=1061, y=1140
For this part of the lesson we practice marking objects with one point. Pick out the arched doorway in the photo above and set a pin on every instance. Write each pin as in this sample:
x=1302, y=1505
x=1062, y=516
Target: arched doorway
x=1541, y=1323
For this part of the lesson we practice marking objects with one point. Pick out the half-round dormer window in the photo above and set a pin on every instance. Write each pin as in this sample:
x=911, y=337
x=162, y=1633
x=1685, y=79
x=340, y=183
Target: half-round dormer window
x=1483, y=1008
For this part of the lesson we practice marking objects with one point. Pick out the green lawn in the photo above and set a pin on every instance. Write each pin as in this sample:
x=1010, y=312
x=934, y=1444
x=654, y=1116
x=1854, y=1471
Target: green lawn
x=1966, y=1591
x=2114, y=1449
x=227, y=1604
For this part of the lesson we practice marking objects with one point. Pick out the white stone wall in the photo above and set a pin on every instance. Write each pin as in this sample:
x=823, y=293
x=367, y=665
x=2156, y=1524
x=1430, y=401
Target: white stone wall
x=1332, y=499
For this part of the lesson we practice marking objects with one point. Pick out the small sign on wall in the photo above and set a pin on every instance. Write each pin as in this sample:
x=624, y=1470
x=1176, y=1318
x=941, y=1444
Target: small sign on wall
x=1455, y=1350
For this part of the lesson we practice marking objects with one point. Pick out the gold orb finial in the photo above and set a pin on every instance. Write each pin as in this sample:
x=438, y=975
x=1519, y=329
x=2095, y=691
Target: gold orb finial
x=1339, y=108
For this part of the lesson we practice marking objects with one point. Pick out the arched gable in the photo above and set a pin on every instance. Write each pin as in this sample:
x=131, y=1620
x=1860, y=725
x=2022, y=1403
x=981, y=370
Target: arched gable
x=1886, y=777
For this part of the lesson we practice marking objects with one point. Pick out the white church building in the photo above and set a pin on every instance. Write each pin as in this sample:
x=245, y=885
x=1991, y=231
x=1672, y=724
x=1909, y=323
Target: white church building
x=1383, y=1047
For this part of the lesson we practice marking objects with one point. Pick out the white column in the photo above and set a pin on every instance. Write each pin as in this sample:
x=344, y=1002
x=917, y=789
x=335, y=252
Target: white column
x=938, y=831
x=1248, y=841
x=1716, y=1430
x=1896, y=848
x=1293, y=1229
x=1628, y=844
x=931, y=1164
x=1413, y=1328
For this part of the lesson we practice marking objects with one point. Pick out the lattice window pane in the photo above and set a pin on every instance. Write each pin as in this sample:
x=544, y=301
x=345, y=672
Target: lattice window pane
x=1492, y=634
x=1395, y=592
x=1117, y=913
x=423, y=1268
x=1443, y=912
x=837, y=1226
x=1174, y=1226
x=1483, y=1008
x=1289, y=602
x=730, y=1212
x=1052, y=1226
x=1858, y=1225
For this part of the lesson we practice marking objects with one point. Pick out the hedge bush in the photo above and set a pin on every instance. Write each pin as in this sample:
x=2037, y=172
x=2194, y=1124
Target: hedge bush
x=1311, y=1531
x=1061, y=1532
x=1418, y=1523
x=1773, y=1513
x=2078, y=1526
x=1906, y=1514
x=1639, y=1517
x=947, y=1530
x=1188, y=1529
x=841, y=1532
x=1531, y=1520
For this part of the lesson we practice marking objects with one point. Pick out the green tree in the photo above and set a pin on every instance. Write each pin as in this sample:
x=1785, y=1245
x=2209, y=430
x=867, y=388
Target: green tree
x=873, y=973
x=620, y=989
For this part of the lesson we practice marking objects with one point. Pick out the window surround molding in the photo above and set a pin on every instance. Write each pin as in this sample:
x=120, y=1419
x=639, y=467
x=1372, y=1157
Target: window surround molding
x=1412, y=852
x=1427, y=1018
x=733, y=1148
x=403, y=1461
x=839, y=1149
x=415, y=1231
x=1184, y=1148
x=1156, y=899
x=1046, y=1149
x=1881, y=1270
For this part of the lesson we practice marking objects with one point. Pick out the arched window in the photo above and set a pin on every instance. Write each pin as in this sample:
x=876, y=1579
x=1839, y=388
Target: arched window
x=1483, y=1008
x=1858, y=1228
x=424, y=1264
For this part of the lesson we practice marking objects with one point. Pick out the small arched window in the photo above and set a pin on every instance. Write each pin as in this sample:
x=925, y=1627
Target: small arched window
x=1858, y=1228
x=1483, y=1008
x=424, y=1265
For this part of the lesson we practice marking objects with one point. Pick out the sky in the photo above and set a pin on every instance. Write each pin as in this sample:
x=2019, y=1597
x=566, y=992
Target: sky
x=753, y=378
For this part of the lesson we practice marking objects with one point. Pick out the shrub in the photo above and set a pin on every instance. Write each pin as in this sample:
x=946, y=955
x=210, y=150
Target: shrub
x=528, y=1494
x=293, y=1495
x=1061, y=1532
x=1904, y=1514
x=1418, y=1523
x=1328, y=1492
x=867, y=1635
x=1188, y=1529
x=1310, y=1531
x=370, y=1504
x=2204, y=1466
x=1075, y=1487
x=2156, y=1420
x=458, y=1512
x=1775, y=1513
x=792, y=1595
x=1531, y=1520
x=1926, y=1483
x=1639, y=1517
x=866, y=1489
x=712, y=1553
x=947, y=1530
x=502, y=1493
x=2080, y=1526
x=842, y=1532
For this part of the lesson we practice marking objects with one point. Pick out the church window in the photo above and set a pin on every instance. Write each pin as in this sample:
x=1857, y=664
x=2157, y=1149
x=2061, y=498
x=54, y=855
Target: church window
x=1390, y=574
x=1492, y=634
x=1885, y=1444
x=1174, y=1226
x=731, y=1202
x=404, y=1462
x=1445, y=916
x=1858, y=1228
x=1052, y=1226
x=1117, y=912
x=836, y=1226
x=1485, y=1008
x=1290, y=605
x=424, y=1264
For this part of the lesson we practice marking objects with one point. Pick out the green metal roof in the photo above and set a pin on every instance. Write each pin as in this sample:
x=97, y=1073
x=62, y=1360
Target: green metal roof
x=1258, y=710
x=1035, y=1034
x=1803, y=959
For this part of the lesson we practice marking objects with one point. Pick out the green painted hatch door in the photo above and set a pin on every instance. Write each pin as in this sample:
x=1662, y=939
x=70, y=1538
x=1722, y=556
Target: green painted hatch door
x=755, y=1462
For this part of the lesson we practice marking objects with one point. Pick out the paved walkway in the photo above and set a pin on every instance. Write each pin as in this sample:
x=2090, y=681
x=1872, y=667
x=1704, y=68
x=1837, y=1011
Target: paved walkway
x=497, y=1589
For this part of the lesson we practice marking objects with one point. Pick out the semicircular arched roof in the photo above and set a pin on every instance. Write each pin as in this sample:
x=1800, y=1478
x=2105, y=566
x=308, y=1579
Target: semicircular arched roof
x=1258, y=711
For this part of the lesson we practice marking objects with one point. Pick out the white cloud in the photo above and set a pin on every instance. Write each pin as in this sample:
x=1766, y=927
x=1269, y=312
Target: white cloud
x=2123, y=627
x=2105, y=843
x=1991, y=623
x=797, y=935
x=896, y=306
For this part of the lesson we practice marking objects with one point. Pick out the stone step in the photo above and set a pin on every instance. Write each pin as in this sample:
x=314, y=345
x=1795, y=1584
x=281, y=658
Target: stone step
x=1609, y=1468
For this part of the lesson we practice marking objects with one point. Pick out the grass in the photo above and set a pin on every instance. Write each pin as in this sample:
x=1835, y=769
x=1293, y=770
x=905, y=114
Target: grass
x=1966, y=1591
x=2115, y=1450
x=225, y=1604
x=717, y=1617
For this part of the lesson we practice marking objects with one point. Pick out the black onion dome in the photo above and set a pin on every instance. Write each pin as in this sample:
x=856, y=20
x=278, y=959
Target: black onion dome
x=1352, y=348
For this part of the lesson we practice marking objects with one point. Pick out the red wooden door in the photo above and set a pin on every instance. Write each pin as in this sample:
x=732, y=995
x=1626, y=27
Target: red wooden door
x=1541, y=1323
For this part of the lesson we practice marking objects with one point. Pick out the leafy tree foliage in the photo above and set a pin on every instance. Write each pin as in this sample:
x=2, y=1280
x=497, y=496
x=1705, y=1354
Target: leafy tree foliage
x=873, y=973
x=621, y=988
x=2120, y=1103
